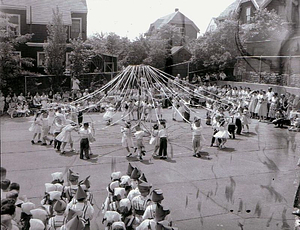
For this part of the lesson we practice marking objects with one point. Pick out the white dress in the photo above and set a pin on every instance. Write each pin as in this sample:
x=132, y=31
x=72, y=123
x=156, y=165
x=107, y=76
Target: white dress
x=108, y=115
x=36, y=126
x=154, y=140
x=127, y=137
x=65, y=135
x=222, y=133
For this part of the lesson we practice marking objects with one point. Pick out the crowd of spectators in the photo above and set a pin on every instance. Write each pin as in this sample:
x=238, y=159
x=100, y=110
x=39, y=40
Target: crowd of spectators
x=268, y=105
x=26, y=105
x=67, y=204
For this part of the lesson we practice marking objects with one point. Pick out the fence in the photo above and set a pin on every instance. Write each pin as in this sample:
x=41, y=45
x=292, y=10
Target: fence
x=265, y=69
x=46, y=83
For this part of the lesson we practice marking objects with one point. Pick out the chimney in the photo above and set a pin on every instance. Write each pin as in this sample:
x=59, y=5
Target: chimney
x=176, y=9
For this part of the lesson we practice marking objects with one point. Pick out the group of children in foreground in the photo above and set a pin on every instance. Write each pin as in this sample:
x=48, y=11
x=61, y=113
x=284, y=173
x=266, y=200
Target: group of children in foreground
x=130, y=203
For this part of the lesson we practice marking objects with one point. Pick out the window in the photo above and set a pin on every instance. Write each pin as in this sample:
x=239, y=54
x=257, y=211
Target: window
x=76, y=28
x=248, y=14
x=41, y=59
x=180, y=30
x=68, y=63
x=108, y=67
x=14, y=23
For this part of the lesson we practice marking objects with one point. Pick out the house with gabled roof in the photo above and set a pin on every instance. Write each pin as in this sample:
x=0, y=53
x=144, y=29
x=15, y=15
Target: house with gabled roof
x=279, y=53
x=32, y=17
x=177, y=63
x=186, y=26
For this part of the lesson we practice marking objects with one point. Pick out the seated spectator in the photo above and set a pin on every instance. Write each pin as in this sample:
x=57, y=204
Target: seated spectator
x=296, y=125
x=280, y=119
x=12, y=111
x=37, y=101
x=21, y=98
x=19, y=110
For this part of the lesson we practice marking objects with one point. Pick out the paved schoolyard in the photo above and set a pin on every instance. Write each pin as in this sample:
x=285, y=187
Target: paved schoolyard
x=248, y=185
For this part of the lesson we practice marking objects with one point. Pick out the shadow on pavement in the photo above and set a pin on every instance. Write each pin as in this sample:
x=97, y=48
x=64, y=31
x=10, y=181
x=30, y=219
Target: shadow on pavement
x=131, y=159
x=249, y=134
x=93, y=158
x=226, y=149
x=68, y=154
x=147, y=162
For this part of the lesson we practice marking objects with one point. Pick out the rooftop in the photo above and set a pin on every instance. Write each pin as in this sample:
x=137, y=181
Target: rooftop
x=41, y=11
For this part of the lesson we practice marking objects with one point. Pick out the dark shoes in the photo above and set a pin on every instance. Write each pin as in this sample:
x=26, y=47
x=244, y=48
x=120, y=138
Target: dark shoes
x=297, y=212
x=32, y=142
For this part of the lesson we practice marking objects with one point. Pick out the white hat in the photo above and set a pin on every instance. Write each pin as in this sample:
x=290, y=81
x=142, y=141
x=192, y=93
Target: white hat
x=57, y=176
x=125, y=180
x=36, y=224
x=119, y=193
x=55, y=195
x=125, y=203
x=50, y=187
x=111, y=217
x=27, y=206
x=39, y=213
x=115, y=176
x=119, y=225
x=114, y=184
x=59, y=187
x=147, y=224
x=133, y=193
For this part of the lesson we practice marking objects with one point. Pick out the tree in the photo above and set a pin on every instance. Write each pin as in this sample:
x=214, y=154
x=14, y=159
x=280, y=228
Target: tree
x=11, y=64
x=55, y=49
x=160, y=43
x=264, y=25
x=79, y=57
x=217, y=50
x=137, y=52
x=110, y=44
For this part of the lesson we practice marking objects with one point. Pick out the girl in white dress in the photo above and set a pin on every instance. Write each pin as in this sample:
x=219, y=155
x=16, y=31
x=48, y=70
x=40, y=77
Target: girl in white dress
x=36, y=127
x=108, y=115
x=222, y=134
x=252, y=104
x=127, y=135
x=246, y=120
x=66, y=136
x=154, y=140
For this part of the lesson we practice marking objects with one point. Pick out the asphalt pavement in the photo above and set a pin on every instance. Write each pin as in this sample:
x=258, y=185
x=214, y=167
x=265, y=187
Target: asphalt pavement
x=250, y=184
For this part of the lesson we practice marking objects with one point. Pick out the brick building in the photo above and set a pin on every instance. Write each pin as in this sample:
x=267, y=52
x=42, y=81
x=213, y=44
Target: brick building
x=32, y=17
x=280, y=53
x=187, y=31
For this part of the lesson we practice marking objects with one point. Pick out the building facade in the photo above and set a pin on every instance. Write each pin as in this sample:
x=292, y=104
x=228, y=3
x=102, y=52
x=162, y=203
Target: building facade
x=186, y=27
x=32, y=17
x=280, y=53
x=180, y=55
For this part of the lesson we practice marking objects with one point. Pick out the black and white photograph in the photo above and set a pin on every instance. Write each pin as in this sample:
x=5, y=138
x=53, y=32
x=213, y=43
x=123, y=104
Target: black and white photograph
x=150, y=115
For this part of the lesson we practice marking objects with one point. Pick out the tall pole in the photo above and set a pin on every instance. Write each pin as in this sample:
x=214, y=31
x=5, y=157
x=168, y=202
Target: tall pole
x=188, y=71
x=259, y=69
x=25, y=85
